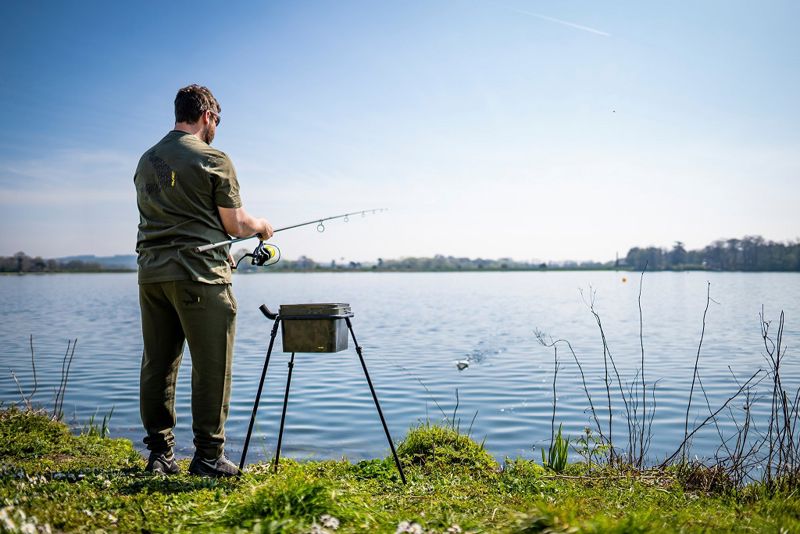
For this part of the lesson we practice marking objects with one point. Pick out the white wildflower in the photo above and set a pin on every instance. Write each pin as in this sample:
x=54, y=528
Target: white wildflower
x=27, y=528
x=5, y=519
x=328, y=521
x=454, y=529
x=410, y=528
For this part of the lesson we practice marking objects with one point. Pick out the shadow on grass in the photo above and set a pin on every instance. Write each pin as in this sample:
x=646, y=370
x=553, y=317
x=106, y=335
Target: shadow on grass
x=149, y=483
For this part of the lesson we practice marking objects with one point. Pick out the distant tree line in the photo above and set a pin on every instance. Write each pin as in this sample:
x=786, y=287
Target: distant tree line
x=22, y=263
x=435, y=263
x=751, y=253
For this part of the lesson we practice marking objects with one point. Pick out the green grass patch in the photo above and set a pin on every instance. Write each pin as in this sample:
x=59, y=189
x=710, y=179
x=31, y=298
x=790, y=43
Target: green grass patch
x=36, y=444
x=68, y=483
x=296, y=496
x=442, y=448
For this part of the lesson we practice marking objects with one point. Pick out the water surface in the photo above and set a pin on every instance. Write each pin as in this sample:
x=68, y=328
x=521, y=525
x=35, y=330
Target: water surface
x=414, y=327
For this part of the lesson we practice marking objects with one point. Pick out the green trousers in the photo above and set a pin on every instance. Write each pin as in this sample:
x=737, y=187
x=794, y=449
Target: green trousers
x=204, y=315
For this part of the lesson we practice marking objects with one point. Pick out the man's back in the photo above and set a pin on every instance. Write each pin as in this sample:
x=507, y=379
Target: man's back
x=180, y=182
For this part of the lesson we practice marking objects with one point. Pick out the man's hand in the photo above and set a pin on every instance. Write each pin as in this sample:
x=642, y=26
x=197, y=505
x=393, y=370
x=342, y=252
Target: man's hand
x=231, y=261
x=266, y=231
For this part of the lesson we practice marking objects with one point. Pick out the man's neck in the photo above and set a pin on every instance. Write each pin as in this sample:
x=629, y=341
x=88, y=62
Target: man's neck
x=188, y=127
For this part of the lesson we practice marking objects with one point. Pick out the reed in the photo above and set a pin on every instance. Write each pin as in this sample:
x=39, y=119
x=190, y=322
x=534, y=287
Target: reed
x=60, y=390
x=769, y=454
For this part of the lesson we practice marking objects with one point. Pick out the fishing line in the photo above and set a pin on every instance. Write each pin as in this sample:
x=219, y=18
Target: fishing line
x=319, y=222
x=409, y=374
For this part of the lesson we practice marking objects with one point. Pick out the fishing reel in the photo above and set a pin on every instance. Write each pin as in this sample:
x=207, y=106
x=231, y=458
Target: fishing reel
x=263, y=255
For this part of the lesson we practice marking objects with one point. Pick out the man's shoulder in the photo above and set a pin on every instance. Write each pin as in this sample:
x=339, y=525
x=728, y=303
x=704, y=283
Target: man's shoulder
x=216, y=161
x=201, y=148
x=217, y=156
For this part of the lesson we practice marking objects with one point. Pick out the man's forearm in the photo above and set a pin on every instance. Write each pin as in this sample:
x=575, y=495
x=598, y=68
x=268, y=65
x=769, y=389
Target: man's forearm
x=248, y=226
x=239, y=223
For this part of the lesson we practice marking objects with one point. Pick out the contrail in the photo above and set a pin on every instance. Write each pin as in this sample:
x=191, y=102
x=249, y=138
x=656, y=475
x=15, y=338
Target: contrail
x=564, y=22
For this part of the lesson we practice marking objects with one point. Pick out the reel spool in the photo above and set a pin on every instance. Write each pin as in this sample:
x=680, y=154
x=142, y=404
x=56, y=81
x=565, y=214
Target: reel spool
x=263, y=255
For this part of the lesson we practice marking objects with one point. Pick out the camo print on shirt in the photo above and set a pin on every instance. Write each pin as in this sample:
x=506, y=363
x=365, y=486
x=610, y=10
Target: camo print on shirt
x=164, y=173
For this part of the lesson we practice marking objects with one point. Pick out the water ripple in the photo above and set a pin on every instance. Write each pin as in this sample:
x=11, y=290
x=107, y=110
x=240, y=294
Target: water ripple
x=414, y=327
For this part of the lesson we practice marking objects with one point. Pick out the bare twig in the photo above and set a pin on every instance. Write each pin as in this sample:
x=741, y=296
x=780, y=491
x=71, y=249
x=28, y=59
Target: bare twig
x=66, y=364
x=783, y=450
x=694, y=373
x=25, y=399
x=430, y=396
x=469, y=431
x=455, y=411
x=608, y=357
x=723, y=442
x=33, y=366
x=540, y=336
x=709, y=418
x=555, y=377
x=59, y=389
x=649, y=433
x=640, y=459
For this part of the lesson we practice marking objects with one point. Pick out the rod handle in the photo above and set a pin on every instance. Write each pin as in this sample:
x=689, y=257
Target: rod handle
x=210, y=246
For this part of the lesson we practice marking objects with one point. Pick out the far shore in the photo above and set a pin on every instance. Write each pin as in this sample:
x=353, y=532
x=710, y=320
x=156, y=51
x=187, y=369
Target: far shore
x=449, y=271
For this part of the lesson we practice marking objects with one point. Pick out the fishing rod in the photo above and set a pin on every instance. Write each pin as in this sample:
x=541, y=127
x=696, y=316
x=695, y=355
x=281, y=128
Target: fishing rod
x=265, y=254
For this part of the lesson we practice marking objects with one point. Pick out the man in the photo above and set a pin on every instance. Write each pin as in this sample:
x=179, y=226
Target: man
x=188, y=195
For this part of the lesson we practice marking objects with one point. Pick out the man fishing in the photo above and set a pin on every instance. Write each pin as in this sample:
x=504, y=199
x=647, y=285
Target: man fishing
x=188, y=195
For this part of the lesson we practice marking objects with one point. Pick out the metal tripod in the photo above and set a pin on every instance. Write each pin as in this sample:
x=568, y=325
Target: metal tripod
x=277, y=318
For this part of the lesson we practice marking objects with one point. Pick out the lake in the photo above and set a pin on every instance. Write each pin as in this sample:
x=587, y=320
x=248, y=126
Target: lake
x=414, y=328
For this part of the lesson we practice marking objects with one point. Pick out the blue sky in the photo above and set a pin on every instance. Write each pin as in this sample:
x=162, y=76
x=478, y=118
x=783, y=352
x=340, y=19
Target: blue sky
x=524, y=129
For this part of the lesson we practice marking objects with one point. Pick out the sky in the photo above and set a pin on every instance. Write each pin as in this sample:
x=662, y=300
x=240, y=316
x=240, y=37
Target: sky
x=535, y=130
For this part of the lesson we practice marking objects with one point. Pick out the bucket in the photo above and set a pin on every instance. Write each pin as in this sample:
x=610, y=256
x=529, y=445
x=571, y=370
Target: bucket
x=314, y=327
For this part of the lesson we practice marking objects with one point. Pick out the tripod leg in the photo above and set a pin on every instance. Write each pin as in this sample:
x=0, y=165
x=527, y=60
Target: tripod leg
x=258, y=394
x=375, y=398
x=283, y=415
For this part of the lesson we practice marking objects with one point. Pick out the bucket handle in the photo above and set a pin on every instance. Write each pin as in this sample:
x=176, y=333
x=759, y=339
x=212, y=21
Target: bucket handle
x=266, y=311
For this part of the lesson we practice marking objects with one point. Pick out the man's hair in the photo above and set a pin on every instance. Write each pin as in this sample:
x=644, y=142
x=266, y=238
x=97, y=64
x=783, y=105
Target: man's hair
x=192, y=101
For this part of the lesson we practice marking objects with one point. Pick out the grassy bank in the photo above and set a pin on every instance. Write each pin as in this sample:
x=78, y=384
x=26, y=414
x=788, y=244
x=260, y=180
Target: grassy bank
x=50, y=479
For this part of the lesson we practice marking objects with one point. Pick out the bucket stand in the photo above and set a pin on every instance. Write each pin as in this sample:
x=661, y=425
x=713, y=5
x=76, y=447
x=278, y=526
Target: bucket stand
x=277, y=318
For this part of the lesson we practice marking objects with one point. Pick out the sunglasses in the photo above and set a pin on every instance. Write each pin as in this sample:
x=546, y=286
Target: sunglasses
x=217, y=118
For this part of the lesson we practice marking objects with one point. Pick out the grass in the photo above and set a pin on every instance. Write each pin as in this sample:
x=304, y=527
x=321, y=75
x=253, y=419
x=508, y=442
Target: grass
x=443, y=449
x=91, y=483
x=556, y=456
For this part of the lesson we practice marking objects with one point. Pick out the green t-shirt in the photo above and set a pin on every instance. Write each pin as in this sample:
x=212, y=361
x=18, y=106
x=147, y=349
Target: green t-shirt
x=179, y=184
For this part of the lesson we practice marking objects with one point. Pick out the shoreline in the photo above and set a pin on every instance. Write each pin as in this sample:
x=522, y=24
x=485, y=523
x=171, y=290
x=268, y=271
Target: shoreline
x=380, y=271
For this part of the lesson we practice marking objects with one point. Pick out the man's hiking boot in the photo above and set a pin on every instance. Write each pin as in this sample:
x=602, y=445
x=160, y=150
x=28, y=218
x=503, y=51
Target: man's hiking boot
x=163, y=463
x=221, y=467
